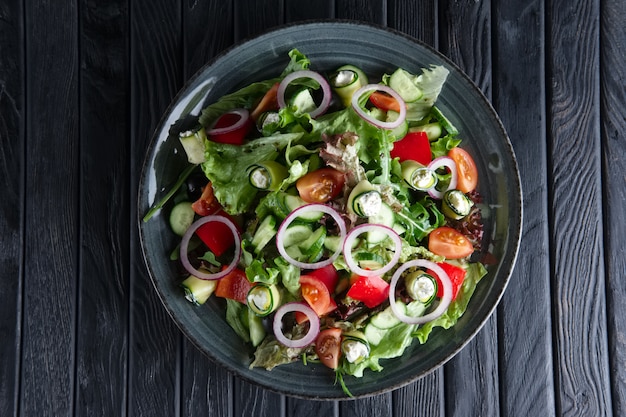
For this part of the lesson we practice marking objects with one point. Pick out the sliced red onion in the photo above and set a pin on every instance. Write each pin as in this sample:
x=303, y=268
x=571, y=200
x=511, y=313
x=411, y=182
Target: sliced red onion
x=321, y=109
x=294, y=215
x=443, y=161
x=243, y=114
x=184, y=247
x=444, y=302
x=371, y=120
x=314, y=325
x=364, y=228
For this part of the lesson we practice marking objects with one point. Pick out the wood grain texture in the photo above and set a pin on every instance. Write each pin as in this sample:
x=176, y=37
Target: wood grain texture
x=613, y=126
x=252, y=400
x=156, y=76
x=105, y=227
x=51, y=209
x=415, y=18
x=525, y=345
x=465, y=37
x=373, y=11
x=580, y=330
x=298, y=10
x=12, y=133
x=252, y=17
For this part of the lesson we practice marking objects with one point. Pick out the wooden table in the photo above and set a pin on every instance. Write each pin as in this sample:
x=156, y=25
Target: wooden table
x=83, y=85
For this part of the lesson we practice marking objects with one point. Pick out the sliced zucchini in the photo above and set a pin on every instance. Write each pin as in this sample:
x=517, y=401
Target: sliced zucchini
x=197, y=290
x=355, y=347
x=345, y=82
x=402, y=82
x=267, y=175
x=417, y=176
x=364, y=200
x=193, y=143
x=456, y=204
x=181, y=217
x=263, y=299
x=421, y=287
x=264, y=233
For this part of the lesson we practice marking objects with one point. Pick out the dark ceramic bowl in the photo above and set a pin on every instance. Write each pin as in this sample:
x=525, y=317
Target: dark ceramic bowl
x=328, y=45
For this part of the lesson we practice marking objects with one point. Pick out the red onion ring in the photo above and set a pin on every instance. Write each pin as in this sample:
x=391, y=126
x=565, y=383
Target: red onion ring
x=443, y=161
x=443, y=303
x=367, y=227
x=282, y=87
x=371, y=120
x=294, y=215
x=184, y=246
x=243, y=114
x=314, y=326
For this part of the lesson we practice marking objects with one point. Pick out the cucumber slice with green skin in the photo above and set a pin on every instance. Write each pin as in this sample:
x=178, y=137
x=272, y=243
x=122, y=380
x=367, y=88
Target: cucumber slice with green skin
x=181, y=217
x=402, y=82
x=264, y=233
x=292, y=202
x=295, y=234
x=456, y=204
x=314, y=244
x=197, y=290
x=432, y=130
x=386, y=319
x=374, y=335
x=368, y=260
x=444, y=121
x=385, y=217
x=400, y=131
x=303, y=101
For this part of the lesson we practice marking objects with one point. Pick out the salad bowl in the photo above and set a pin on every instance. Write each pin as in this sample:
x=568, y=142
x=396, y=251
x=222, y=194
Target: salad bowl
x=330, y=44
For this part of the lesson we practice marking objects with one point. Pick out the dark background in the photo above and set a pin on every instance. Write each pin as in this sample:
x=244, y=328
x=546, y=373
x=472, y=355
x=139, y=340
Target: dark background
x=83, y=84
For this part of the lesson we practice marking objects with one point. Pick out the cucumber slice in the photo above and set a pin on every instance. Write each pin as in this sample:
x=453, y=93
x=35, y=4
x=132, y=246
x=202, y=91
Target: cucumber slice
x=292, y=202
x=400, y=131
x=432, y=130
x=386, y=319
x=385, y=217
x=368, y=260
x=444, y=121
x=303, y=101
x=364, y=200
x=402, y=82
x=256, y=329
x=264, y=233
x=295, y=234
x=314, y=244
x=181, y=217
x=193, y=144
x=373, y=334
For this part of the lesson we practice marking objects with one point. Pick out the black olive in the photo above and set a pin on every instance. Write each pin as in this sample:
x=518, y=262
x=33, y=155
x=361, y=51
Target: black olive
x=195, y=183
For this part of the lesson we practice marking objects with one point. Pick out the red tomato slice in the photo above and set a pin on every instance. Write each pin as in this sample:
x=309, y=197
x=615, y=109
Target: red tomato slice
x=384, y=101
x=316, y=294
x=216, y=235
x=321, y=185
x=456, y=274
x=371, y=290
x=267, y=103
x=328, y=275
x=447, y=242
x=414, y=146
x=207, y=203
x=234, y=286
x=328, y=347
x=466, y=167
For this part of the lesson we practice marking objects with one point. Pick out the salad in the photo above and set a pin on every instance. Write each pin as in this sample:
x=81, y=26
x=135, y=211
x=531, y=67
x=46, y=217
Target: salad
x=335, y=216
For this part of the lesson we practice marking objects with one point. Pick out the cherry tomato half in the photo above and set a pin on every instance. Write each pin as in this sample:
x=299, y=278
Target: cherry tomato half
x=447, y=242
x=384, y=101
x=321, y=185
x=328, y=347
x=466, y=167
x=315, y=293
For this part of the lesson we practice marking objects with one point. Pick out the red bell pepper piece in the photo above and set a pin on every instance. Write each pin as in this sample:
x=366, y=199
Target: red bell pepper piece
x=414, y=146
x=234, y=137
x=371, y=290
x=456, y=274
x=216, y=235
x=234, y=286
x=328, y=275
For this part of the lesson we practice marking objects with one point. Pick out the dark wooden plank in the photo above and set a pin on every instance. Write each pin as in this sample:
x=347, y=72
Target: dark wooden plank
x=305, y=10
x=254, y=17
x=156, y=76
x=580, y=329
x=207, y=388
x=51, y=209
x=373, y=11
x=12, y=151
x=471, y=377
x=105, y=228
x=415, y=18
x=519, y=97
x=612, y=105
